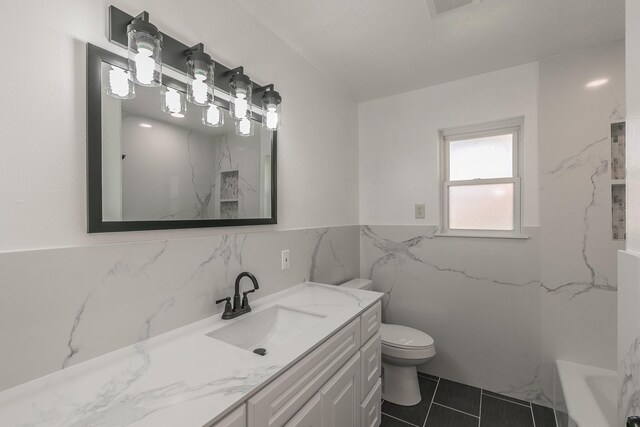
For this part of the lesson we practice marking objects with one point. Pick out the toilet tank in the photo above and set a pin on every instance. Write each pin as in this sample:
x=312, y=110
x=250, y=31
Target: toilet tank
x=365, y=284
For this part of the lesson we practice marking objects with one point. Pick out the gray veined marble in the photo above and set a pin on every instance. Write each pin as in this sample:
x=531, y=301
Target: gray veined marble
x=465, y=293
x=86, y=301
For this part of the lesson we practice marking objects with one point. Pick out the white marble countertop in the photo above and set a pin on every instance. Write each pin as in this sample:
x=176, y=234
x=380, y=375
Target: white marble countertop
x=182, y=377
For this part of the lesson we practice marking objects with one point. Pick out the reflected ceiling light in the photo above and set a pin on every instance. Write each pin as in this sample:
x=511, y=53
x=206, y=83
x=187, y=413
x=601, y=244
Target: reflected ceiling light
x=117, y=84
x=212, y=116
x=200, y=71
x=145, y=125
x=597, y=83
x=174, y=102
x=244, y=127
x=271, y=112
x=241, y=96
x=145, y=51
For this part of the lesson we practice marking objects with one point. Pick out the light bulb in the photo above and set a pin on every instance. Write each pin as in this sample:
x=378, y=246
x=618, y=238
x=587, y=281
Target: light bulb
x=212, y=116
x=199, y=88
x=240, y=106
x=145, y=64
x=272, y=118
x=172, y=100
x=119, y=82
x=245, y=126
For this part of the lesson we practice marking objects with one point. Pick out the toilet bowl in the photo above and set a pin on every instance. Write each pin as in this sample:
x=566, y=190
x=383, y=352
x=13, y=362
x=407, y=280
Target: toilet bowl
x=403, y=350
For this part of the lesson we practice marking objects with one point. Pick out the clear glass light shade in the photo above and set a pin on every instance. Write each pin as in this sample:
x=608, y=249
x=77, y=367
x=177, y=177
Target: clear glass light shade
x=212, y=116
x=244, y=127
x=117, y=84
x=145, y=58
x=271, y=115
x=200, y=87
x=240, y=102
x=174, y=102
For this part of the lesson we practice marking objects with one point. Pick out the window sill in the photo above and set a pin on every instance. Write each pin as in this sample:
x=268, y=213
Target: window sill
x=516, y=236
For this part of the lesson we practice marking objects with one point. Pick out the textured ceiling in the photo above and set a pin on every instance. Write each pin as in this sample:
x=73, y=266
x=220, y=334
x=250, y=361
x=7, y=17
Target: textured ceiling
x=375, y=48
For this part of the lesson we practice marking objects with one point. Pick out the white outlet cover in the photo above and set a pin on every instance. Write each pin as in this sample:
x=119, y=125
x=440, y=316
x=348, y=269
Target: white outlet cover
x=420, y=211
x=285, y=259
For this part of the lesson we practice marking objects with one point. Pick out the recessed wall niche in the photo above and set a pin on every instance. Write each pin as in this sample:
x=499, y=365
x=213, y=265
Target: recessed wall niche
x=618, y=187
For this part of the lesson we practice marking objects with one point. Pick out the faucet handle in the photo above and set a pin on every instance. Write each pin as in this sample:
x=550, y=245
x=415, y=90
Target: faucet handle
x=245, y=300
x=227, y=306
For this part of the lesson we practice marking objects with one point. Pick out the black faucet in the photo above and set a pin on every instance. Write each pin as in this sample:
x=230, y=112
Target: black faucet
x=239, y=308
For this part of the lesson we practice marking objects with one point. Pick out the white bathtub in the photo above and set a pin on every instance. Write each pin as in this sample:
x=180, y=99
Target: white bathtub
x=586, y=394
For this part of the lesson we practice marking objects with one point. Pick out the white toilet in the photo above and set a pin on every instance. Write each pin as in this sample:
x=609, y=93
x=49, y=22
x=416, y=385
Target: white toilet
x=403, y=350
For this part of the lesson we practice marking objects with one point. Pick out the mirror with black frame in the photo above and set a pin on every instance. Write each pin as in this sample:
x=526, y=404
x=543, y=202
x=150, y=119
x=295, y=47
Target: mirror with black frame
x=151, y=168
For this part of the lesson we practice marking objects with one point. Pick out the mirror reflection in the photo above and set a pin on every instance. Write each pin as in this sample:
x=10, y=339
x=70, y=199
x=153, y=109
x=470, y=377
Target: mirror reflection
x=157, y=165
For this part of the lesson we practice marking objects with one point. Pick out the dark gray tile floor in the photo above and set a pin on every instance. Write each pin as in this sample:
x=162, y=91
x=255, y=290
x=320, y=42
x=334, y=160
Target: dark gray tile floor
x=447, y=403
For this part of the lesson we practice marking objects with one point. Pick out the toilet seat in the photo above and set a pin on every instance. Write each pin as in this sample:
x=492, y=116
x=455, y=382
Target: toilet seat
x=404, y=337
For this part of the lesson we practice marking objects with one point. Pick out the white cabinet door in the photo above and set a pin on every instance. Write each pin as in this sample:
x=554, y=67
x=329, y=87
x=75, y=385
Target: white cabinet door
x=235, y=419
x=310, y=415
x=341, y=396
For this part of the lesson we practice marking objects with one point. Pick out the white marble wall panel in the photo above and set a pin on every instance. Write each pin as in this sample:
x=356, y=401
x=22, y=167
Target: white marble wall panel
x=64, y=306
x=578, y=253
x=628, y=334
x=478, y=298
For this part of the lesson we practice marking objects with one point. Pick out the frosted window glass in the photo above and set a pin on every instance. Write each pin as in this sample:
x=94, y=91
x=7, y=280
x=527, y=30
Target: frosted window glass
x=481, y=158
x=481, y=207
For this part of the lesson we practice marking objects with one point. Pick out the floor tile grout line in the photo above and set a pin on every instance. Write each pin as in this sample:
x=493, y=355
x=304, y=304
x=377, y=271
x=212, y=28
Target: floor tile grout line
x=457, y=410
x=480, y=410
x=400, y=419
x=533, y=417
x=528, y=405
x=431, y=403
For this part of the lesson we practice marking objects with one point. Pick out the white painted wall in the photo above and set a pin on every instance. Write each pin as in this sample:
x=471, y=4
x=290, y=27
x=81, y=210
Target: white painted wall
x=42, y=157
x=399, y=141
x=633, y=125
x=629, y=261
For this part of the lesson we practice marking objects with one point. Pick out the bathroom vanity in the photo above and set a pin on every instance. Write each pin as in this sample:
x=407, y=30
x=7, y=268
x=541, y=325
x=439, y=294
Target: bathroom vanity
x=321, y=368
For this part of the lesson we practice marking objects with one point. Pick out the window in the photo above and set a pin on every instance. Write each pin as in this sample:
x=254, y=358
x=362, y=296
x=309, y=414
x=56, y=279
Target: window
x=480, y=182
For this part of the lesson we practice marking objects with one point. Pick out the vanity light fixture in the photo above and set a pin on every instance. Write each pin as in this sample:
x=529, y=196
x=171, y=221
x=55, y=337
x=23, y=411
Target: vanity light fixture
x=271, y=112
x=147, y=47
x=145, y=51
x=117, y=83
x=240, y=92
x=174, y=102
x=212, y=116
x=244, y=127
x=200, y=72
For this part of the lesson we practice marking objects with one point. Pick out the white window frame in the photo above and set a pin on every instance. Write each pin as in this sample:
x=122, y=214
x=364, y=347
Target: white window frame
x=512, y=126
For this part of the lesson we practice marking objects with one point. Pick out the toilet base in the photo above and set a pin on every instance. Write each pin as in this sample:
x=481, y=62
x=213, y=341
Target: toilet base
x=400, y=385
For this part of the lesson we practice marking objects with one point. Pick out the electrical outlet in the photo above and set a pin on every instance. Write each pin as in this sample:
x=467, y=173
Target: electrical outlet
x=285, y=259
x=419, y=211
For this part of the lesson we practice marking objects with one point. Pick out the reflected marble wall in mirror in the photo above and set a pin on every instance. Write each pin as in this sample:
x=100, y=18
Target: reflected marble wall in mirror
x=156, y=167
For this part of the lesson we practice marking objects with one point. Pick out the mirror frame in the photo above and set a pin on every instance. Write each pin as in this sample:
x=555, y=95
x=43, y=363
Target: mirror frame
x=95, y=222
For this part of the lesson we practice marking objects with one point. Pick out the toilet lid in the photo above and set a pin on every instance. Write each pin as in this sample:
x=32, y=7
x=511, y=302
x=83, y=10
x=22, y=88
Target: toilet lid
x=404, y=337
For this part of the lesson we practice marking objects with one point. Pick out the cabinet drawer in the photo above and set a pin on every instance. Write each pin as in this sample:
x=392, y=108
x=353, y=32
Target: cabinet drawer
x=370, y=356
x=371, y=407
x=371, y=321
x=310, y=415
x=235, y=419
x=281, y=399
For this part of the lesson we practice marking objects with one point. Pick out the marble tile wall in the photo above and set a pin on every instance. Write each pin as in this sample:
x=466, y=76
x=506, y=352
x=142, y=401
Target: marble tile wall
x=628, y=335
x=67, y=305
x=478, y=298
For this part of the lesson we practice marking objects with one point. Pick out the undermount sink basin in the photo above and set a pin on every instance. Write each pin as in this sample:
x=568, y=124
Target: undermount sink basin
x=267, y=329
